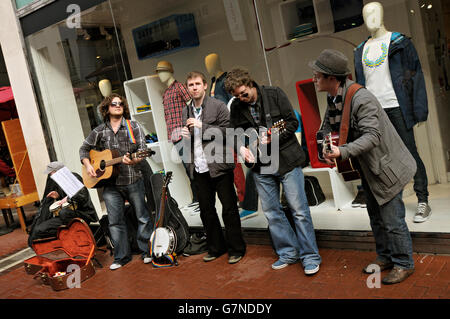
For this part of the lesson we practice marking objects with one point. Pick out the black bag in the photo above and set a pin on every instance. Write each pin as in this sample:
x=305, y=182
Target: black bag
x=313, y=191
x=173, y=217
x=197, y=245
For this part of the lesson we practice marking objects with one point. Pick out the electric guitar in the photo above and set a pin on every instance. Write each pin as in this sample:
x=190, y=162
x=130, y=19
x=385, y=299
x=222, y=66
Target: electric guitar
x=105, y=165
x=251, y=140
x=344, y=167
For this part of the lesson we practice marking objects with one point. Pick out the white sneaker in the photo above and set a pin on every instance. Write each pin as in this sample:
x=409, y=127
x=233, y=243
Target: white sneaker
x=311, y=269
x=147, y=260
x=115, y=266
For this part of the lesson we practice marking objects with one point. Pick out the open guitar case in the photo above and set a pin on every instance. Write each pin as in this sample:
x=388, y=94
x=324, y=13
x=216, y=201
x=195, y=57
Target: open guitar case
x=172, y=215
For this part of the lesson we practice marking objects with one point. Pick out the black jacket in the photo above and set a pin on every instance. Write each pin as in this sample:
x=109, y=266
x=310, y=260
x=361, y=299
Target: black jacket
x=291, y=154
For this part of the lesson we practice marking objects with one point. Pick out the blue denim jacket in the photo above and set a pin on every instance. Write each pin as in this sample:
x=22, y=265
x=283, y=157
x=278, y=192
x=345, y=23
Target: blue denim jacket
x=407, y=77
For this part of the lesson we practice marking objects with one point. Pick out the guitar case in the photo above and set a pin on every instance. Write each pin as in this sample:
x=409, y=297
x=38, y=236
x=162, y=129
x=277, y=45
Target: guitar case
x=172, y=215
x=74, y=247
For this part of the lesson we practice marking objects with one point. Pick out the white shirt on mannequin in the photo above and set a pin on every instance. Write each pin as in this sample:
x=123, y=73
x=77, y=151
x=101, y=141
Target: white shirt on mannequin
x=375, y=63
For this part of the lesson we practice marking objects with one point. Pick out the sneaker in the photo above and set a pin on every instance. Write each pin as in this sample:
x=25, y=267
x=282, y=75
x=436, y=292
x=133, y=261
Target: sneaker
x=279, y=265
x=208, y=258
x=115, y=266
x=360, y=199
x=147, y=259
x=234, y=259
x=423, y=212
x=245, y=214
x=311, y=269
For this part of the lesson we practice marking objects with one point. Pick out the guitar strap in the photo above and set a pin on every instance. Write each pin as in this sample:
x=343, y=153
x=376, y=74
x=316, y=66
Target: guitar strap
x=130, y=132
x=345, y=120
x=265, y=106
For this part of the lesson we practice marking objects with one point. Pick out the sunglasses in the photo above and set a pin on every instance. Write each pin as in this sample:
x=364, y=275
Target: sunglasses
x=117, y=104
x=242, y=94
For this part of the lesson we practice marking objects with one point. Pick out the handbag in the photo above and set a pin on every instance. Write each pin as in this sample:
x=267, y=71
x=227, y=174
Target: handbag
x=313, y=191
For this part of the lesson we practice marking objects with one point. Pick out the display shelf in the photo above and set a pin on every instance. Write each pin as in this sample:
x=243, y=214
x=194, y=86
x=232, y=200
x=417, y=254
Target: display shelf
x=148, y=90
x=341, y=191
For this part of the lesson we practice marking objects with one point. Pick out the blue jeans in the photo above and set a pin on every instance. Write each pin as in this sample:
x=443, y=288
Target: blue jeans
x=290, y=245
x=115, y=197
x=407, y=136
x=392, y=238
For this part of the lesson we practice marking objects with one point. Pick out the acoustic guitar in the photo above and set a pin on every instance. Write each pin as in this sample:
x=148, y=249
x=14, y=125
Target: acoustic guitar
x=251, y=140
x=344, y=167
x=105, y=165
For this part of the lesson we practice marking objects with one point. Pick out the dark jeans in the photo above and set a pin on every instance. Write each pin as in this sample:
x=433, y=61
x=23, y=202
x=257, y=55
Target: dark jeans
x=115, y=197
x=420, y=179
x=392, y=238
x=218, y=243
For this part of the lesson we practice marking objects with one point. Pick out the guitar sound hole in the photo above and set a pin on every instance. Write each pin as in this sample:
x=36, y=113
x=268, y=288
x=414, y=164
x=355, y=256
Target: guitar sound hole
x=102, y=165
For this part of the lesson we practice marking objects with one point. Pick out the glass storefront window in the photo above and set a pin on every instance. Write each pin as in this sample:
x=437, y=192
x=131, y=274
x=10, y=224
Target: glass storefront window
x=121, y=40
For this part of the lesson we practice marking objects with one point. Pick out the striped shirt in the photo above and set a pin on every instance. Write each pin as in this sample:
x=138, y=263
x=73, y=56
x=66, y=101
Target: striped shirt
x=103, y=137
x=175, y=98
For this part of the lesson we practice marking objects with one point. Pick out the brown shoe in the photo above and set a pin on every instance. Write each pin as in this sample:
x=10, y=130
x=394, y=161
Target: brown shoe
x=381, y=264
x=397, y=275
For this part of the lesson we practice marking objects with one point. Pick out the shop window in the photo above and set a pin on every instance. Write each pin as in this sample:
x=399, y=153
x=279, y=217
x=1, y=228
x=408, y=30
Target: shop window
x=347, y=14
x=165, y=36
x=298, y=18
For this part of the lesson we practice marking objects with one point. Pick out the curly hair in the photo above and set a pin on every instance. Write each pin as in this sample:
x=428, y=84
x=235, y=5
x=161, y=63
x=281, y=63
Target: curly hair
x=236, y=78
x=104, y=106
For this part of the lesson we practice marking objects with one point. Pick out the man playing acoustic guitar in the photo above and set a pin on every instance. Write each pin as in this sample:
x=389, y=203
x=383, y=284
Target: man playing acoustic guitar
x=385, y=164
x=254, y=107
x=125, y=136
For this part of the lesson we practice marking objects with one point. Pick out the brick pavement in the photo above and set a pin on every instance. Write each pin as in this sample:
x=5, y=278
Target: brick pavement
x=340, y=277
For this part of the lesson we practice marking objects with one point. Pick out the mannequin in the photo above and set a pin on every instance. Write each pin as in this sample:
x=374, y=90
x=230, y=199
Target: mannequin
x=175, y=98
x=105, y=87
x=214, y=68
x=387, y=64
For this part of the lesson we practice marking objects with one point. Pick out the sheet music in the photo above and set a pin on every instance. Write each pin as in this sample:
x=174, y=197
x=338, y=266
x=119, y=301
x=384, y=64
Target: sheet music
x=67, y=181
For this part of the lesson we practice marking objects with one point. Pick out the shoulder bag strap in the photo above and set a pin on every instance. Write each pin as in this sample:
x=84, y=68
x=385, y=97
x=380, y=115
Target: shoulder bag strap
x=345, y=120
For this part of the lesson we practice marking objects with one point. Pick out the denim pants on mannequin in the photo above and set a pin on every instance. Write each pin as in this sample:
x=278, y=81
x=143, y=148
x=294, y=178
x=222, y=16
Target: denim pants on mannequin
x=407, y=136
x=115, y=197
x=289, y=245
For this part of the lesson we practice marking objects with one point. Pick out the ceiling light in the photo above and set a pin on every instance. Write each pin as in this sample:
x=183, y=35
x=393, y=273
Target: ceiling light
x=430, y=6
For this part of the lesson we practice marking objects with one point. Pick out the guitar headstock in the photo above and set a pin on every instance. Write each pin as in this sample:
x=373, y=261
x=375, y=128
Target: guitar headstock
x=143, y=153
x=167, y=179
x=279, y=127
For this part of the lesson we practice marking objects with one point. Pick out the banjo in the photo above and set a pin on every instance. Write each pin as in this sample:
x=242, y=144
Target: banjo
x=163, y=240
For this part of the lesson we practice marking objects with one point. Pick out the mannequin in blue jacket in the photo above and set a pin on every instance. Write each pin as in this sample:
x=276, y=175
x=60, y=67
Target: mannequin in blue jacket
x=387, y=64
